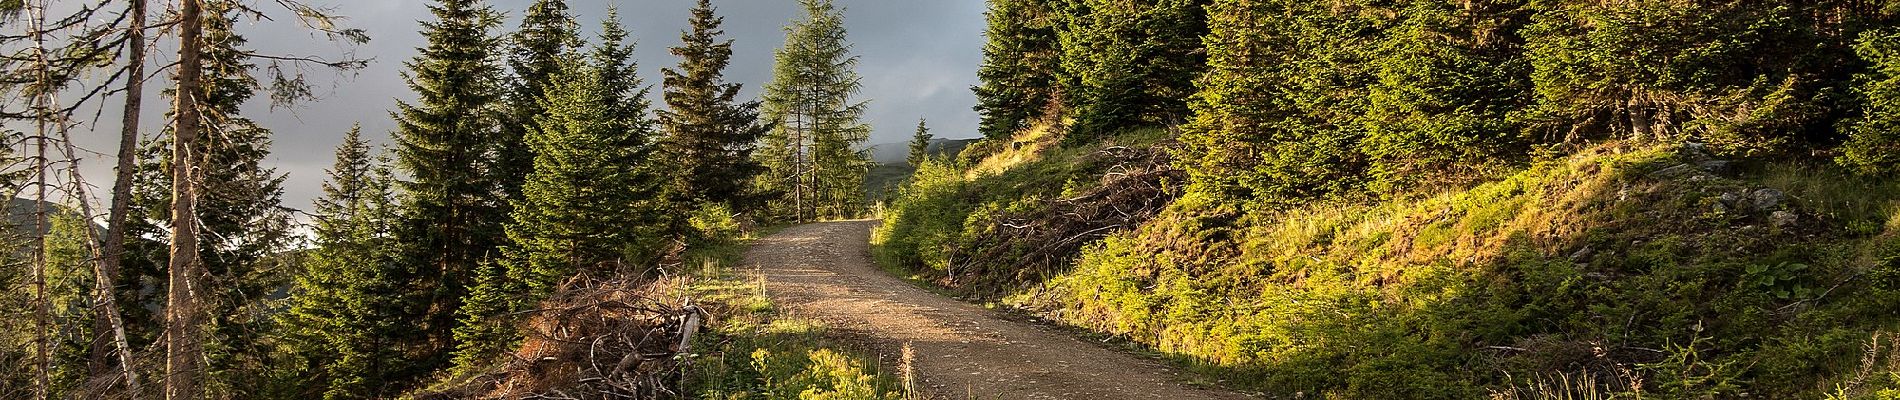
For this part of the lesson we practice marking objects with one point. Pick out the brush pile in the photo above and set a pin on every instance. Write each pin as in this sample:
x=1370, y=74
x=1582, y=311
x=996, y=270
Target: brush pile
x=1031, y=246
x=596, y=339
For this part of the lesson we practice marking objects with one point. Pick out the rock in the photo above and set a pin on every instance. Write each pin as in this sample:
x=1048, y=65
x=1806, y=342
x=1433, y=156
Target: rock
x=1582, y=254
x=1714, y=166
x=1693, y=149
x=1677, y=171
x=1768, y=199
x=1731, y=199
x=1783, y=219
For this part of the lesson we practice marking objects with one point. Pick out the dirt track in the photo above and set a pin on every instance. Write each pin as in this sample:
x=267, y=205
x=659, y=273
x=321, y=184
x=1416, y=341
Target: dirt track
x=824, y=271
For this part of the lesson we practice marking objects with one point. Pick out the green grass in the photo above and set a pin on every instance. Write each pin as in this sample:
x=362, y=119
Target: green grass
x=948, y=203
x=1579, y=269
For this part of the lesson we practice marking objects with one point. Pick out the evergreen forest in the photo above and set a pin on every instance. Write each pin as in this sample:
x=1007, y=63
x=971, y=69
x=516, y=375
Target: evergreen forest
x=1225, y=199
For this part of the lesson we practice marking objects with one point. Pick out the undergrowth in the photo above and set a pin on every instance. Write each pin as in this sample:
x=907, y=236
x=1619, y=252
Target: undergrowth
x=1618, y=272
x=949, y=204
x=745, y=349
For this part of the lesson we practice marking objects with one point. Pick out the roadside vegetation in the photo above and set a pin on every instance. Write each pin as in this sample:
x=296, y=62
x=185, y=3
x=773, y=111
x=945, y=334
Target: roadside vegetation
x=1431, y=200
x=608, y=337
x=1768, y=278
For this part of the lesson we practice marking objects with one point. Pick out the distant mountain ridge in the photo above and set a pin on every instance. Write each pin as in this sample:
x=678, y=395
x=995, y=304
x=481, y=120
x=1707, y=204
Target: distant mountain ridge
x=898, y=153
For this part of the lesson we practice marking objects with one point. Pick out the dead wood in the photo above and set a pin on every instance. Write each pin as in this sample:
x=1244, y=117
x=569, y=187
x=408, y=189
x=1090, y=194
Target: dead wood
x=1029, y=247
x=596, y=339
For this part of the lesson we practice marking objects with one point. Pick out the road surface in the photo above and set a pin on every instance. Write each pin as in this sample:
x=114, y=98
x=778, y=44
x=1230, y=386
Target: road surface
x=824, y=271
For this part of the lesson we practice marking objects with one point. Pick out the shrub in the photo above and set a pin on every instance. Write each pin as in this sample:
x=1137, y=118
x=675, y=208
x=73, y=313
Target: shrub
x=1874, y=147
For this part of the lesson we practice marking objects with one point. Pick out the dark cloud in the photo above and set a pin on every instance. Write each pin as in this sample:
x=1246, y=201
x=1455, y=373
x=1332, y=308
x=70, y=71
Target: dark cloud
x=918, y=60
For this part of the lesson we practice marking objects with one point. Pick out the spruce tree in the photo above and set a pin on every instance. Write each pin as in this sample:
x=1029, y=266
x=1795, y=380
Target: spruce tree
x=920, y=145
x=445, y=142
x=590, y=205
x=1018, y=78
x=709, y=135
x=69, y=291
x=1446, y=79
x=1130, y=63
x=590, y=198
x=1661, y=71
x=1240, y=116
x=817, y=130
x=345, y=308
x=547, y=32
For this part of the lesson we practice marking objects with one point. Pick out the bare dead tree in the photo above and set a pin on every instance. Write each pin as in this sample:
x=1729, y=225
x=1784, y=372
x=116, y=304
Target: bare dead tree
x=184, y=316
x=58, y=53
x=107, y=270
x=42, y=100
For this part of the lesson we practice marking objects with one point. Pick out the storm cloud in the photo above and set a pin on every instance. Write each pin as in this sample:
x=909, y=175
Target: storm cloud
x=918, y=59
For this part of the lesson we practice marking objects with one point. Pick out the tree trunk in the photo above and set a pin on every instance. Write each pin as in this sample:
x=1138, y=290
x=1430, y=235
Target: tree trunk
x=184, y=316
x=42, y=110
x=798, y=165
x=107, y=274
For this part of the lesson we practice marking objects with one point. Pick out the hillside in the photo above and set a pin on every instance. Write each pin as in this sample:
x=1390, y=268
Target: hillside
x=899, y=153
x=1768, y=278
x=890, y=164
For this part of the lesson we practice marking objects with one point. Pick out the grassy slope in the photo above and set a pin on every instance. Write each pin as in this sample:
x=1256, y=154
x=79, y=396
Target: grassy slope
x=948, y=204
x=1605, y=267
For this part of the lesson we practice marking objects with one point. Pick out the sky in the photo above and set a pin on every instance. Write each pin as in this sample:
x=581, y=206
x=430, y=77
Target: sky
x=918, y=59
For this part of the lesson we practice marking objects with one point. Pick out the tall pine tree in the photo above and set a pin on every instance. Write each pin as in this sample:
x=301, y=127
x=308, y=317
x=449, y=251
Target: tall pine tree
x=1021, y=57
x=590, y=205
x=446, y=143
x=709, y=135
x=346, y=306
x=592, y=196
x=1130, y=63
x=812, y=153
x=547, y=32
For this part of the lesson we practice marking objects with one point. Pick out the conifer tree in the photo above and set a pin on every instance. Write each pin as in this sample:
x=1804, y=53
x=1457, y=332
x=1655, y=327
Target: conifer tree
x=1873, y=146
x=817, y=131
x=1663, y=71
x=708, y=134
x=547, y=32
x=591, y=203
x=185, y=366
x=590, y=195
x=1359, y=96
x=445, y=143
x=1130, y=63
x=69, y=288
x=1239, y=114
x=920, y=144
x=1018, y=78
x=1446, y=78
x=345, y=308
